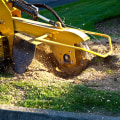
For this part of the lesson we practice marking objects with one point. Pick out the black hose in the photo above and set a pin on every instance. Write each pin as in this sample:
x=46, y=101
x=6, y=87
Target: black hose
x=51, y=10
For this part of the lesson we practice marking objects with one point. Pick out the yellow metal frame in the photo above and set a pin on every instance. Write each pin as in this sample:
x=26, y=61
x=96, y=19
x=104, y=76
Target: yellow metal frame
x=42, y=39
x=46, y=33
x=102, y=35
x=6, y=27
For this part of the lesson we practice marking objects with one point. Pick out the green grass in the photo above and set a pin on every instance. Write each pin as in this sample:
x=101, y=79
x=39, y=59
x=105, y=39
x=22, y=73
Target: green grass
x=72, y=98
x=59, y=96
x=85, y=13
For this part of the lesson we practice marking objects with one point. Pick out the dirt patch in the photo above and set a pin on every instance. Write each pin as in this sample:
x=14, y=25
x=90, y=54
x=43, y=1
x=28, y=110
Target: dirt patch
x=100, y=74
x=110, y=26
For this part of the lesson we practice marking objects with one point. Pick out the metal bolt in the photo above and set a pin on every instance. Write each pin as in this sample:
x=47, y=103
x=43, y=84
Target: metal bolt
x=61, y=51
x=1, y=21
x=72, y=62
x=70, y=51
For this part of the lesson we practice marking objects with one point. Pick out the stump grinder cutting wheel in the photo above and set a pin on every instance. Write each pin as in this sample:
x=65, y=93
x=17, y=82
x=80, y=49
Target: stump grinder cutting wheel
x=19, y=37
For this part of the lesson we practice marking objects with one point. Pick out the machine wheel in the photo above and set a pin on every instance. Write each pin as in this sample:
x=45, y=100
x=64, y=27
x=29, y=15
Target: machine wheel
x=81, y=62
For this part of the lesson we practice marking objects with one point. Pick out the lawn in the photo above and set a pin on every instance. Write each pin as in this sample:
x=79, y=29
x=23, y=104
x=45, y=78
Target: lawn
x=85, y=13
x=48, y=94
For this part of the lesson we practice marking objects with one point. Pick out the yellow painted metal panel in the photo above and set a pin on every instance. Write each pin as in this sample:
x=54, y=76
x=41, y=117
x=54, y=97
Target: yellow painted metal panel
x=6, y=28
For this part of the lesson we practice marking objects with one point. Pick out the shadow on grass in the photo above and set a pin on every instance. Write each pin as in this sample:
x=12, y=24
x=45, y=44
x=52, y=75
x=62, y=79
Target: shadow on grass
x=74, y=98
x=5, y=75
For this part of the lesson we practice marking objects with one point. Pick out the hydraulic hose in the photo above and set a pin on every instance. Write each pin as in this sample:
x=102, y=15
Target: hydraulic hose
x=51, y=10
x=33, y=10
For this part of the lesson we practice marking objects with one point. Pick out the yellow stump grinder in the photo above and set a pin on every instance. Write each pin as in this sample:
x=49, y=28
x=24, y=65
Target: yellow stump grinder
x=19, y=37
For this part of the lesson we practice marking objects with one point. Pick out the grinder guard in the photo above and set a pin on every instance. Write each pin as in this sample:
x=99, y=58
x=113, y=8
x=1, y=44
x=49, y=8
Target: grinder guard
x=23, y=53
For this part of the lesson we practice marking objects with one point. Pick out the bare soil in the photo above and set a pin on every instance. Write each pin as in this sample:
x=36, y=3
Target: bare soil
x=100, y=74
